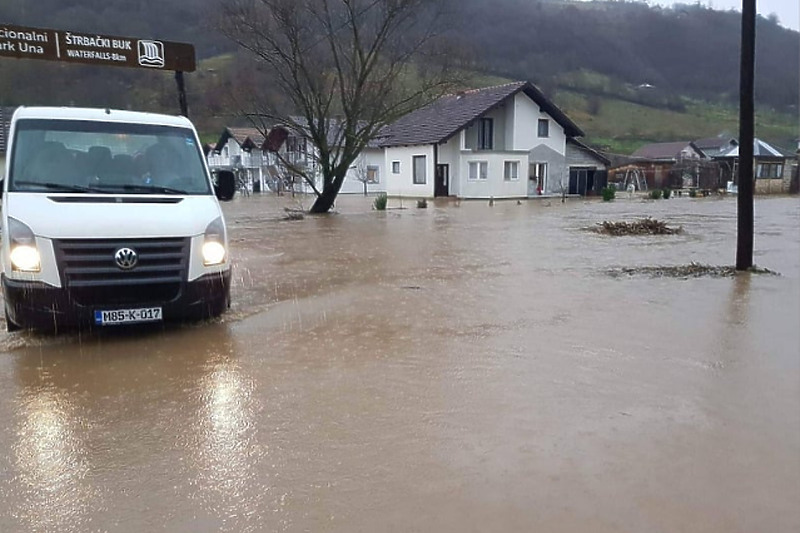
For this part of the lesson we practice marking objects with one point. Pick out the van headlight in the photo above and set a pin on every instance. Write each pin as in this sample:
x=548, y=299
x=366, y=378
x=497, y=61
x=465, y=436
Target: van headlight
x=24, y=253
x=214, y=252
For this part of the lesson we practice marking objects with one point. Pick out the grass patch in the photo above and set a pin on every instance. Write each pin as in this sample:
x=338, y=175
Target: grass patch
x=622, y=127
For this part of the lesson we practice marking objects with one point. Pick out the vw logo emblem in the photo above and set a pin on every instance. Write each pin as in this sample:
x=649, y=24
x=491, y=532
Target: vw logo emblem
x=126, y=258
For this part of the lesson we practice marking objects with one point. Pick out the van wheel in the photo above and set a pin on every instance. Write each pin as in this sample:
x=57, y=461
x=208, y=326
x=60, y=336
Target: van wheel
x=10, y=325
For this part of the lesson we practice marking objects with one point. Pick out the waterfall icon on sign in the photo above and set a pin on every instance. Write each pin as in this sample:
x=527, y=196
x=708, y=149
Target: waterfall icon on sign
x=151, y=54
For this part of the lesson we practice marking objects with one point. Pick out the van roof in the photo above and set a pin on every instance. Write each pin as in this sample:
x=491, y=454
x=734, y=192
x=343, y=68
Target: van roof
x=102, y=115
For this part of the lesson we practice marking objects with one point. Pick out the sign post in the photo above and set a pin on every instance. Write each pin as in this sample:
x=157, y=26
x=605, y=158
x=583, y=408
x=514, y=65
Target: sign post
x=94, y=49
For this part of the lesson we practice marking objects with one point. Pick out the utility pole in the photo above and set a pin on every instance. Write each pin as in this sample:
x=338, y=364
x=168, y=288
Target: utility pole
x=181, y=93
x=744, y=226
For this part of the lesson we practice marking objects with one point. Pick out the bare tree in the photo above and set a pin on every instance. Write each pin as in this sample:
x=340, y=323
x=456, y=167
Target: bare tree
x=348, y=68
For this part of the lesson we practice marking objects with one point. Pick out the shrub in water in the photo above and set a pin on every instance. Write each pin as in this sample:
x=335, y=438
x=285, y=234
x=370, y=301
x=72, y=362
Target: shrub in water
x=422, y=204
x=692, y=193
x=608, y=193
x=655, y=194
x=380, y=202
x=666, y=193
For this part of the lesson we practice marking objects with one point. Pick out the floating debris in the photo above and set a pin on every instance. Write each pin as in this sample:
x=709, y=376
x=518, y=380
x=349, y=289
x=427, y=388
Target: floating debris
x=294, y=214
x=644, y=226
x=692, y=270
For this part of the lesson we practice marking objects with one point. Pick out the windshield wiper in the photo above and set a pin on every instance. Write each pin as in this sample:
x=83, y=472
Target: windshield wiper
x=153, y=189
x=60, y=187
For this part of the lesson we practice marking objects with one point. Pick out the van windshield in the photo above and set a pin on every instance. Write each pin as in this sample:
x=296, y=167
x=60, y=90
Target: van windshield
x=106, y=157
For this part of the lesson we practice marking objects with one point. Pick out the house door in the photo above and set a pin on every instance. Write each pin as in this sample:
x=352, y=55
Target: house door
x=580, y=180
x=441, y=185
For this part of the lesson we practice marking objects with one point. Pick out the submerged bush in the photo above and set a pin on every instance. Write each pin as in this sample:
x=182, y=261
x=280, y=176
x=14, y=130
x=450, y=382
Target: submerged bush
x=692, y=193
x=655, y=194
x=666, y=193
x=609, y=193
x=422, y=204
x=380, y=202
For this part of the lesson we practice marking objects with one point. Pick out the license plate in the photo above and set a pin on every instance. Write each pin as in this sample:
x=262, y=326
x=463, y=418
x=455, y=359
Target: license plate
x=127, y=316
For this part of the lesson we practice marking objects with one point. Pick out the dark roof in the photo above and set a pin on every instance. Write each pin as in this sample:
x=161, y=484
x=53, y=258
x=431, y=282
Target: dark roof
x=247, y=138
x=719, y=141
x=664, y=151
x=440, y=120
x=597, y=155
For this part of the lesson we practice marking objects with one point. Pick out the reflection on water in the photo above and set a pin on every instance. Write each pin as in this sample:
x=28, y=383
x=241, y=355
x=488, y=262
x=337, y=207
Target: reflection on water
x=223, y=454
x=51, y=461
x=458, y=368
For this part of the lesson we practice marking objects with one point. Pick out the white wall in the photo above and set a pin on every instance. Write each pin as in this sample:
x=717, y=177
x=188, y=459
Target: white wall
x=526, y=127
x=450, y=154
x=369, y=157
x=495, y=184
x=402, y=184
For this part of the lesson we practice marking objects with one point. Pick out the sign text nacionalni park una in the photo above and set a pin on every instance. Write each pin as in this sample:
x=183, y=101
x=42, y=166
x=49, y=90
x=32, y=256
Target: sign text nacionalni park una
x=74, y=47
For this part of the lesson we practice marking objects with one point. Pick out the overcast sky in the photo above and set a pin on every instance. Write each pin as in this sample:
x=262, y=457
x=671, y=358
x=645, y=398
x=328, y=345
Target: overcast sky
x=788, y=11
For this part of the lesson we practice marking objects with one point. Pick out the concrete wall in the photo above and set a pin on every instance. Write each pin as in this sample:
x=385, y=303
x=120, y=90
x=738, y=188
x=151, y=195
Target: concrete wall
x=402, y=184
x=557, y=171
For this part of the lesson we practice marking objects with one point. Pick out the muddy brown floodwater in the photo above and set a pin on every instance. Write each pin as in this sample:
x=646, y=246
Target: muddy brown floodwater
x=451, y=369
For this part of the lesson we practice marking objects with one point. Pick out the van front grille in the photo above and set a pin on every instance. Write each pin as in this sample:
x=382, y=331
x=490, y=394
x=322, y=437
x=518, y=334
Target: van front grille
x=89, y=270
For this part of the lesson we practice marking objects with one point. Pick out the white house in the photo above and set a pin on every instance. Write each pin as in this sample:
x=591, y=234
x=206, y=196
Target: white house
x=507, y=141
x=241, y=151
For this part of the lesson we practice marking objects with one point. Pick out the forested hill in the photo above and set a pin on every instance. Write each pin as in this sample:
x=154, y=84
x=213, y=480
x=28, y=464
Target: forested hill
x=628, y=51
x=688, y=50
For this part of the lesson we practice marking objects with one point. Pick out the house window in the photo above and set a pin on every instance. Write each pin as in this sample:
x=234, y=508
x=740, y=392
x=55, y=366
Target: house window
x=769, y=170
x=485, y=134
x=478, y=170
x=544, y=127
x=373, y=174
x=395, y=167
x=539, y=176
x=419, y=170
x=511, y=170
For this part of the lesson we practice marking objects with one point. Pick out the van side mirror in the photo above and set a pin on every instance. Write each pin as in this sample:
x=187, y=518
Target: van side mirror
x=225, y=186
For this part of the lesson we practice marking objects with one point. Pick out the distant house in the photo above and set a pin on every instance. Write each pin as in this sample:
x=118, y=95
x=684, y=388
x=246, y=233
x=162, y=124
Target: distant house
x=715, y=146
x=674, y=164
x=772, y=171
x=507, y=141
x=295, y=149
x=240, y=150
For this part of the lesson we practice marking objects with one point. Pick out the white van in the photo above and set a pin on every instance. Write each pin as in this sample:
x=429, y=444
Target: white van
x=109, y=217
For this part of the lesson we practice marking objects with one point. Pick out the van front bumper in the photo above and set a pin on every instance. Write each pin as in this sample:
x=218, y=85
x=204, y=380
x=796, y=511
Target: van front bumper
x=37, y=305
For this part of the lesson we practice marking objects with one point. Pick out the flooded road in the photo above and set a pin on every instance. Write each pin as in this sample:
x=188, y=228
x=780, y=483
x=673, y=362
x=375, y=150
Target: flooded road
x=458, y=368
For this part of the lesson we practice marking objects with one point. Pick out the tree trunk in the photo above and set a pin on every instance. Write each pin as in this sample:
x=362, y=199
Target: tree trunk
x=325, y=200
